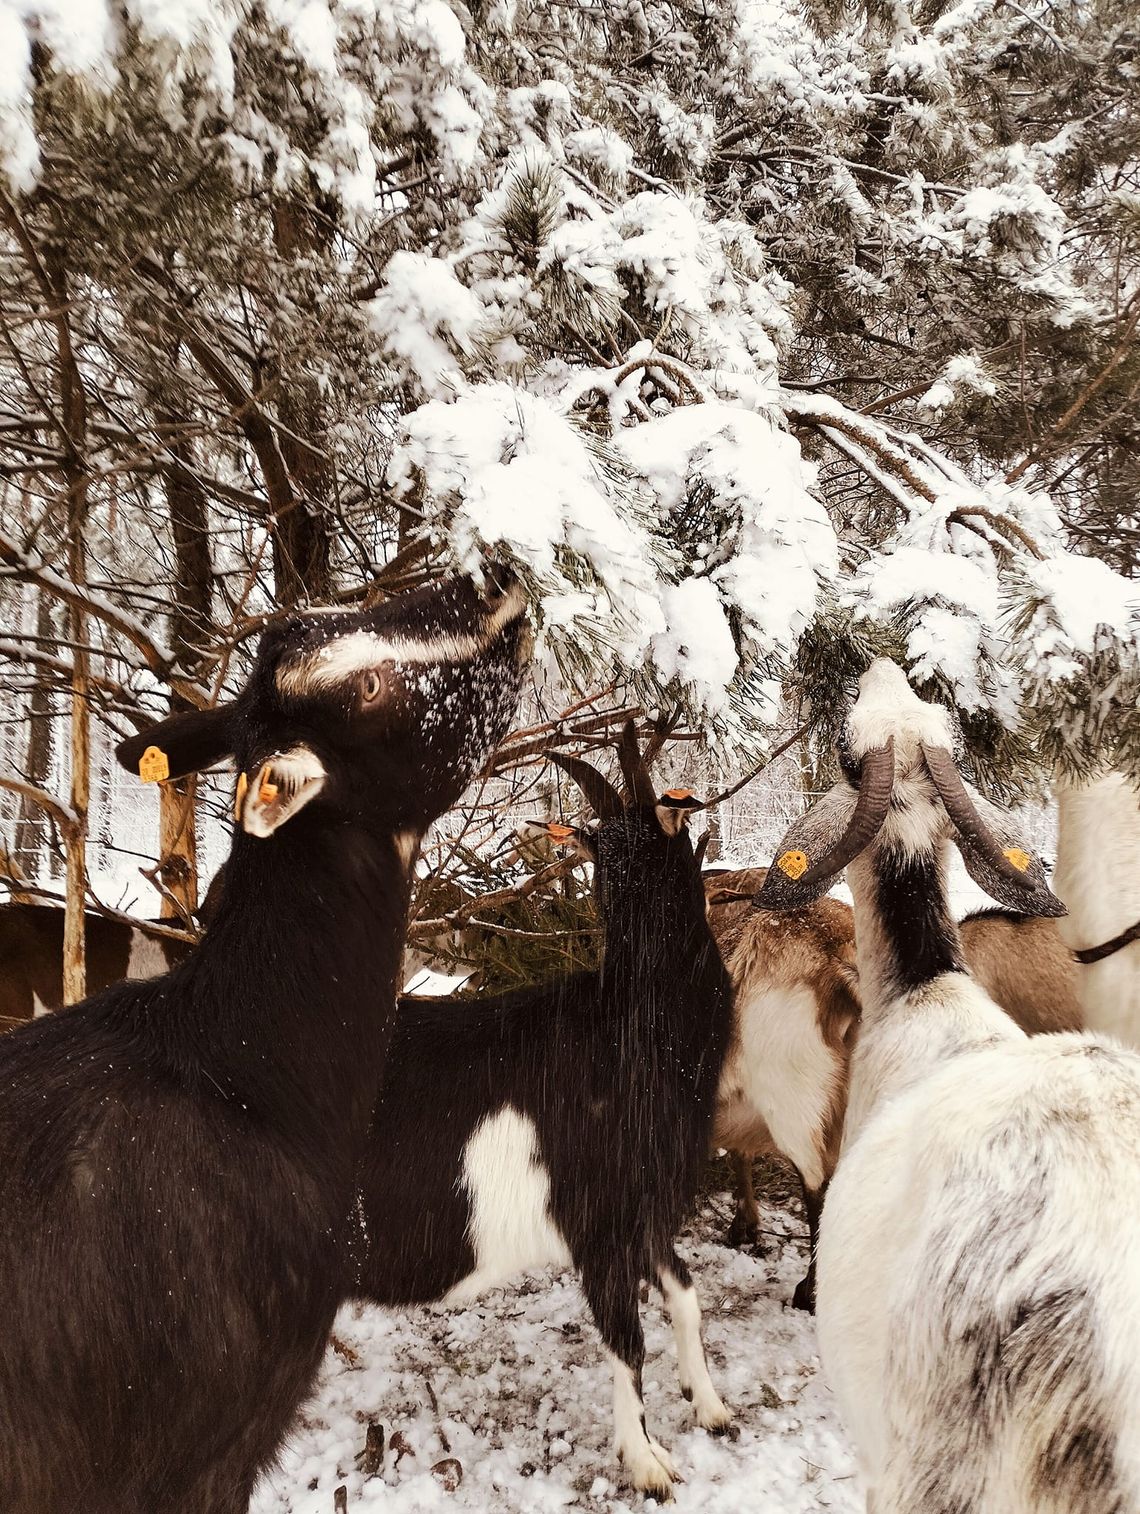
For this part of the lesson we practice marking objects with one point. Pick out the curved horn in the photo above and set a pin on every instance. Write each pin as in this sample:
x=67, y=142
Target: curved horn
x=959, y=806
x=604, y=798
x=701, y=848
x=876, y=781
x=635, y=769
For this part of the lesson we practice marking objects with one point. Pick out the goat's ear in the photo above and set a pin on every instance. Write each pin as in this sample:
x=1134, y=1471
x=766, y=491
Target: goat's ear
x=674, y=808
x=574, y=838
x=1033, y=896
x=281, y=787
x=806, y=843
x=181, y=744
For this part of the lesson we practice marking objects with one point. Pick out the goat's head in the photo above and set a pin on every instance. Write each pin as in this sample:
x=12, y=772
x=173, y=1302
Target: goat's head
x=641, y=839
x=381, y=715
x=901, y=792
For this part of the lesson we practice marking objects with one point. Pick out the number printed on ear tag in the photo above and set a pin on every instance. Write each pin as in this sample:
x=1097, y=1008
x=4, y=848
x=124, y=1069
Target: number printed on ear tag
x=154, y=765
x=793, y=864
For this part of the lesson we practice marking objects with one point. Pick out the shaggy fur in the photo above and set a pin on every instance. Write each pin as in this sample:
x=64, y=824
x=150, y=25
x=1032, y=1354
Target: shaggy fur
x=979, y=1300
x=795, y=1021
x=179, y=1154
x=576, y=1119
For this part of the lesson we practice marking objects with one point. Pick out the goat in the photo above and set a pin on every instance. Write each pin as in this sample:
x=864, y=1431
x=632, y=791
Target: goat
x=795, y=1018
x=979, y=1298
x=31, y=957
x=1098, y=877
x=179, y=1154
x=567, y=1123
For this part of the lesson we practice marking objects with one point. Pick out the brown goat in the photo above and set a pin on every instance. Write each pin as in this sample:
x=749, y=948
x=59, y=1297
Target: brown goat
x=796, y=1013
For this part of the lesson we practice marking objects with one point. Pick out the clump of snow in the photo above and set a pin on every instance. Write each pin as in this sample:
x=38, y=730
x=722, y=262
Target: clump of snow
x=424, y=316
x=696, y=645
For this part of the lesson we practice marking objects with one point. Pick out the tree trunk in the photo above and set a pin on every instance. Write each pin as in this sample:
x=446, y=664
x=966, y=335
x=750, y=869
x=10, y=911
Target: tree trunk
x=190, y=622
x=73, y=412
x=32, y=829
x=302, y=542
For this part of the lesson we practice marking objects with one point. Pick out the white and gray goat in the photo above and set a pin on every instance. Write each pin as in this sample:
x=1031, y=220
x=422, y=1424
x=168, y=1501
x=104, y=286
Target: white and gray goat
x=979, y=1252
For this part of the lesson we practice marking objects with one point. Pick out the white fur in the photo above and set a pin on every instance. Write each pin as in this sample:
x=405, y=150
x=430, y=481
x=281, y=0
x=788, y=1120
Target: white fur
x=783, y=1071
x=888, y=707
x=341, y=658
x=508, y=1188
x=692, y=1369
x=979, y=1255
x=147, y=958
x=1098, y=878
x=647, y=1464
x=300, y=772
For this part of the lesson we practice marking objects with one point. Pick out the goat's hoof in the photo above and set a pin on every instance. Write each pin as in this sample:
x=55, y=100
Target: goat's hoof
x=718, y=1423
x=804, y=1296
x=742, y=1232
x=649, y=1469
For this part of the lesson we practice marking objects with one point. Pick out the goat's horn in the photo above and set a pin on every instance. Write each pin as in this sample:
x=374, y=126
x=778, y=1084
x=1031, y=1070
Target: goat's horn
x=876, y=780
x=960, y=807
x=638, y=779
x=604, y=798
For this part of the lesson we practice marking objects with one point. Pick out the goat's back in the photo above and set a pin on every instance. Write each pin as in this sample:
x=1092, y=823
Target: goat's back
x=985, y=1296
x=1025, y=967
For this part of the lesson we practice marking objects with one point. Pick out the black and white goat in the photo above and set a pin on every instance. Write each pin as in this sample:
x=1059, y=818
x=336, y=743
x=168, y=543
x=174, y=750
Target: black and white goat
x=179, y=1154
x=978, y=1272
x=568, y=1123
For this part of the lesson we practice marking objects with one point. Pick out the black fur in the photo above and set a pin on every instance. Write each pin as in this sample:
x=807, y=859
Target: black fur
x=918, y=926
x=617, y=1069
x=179, y=1153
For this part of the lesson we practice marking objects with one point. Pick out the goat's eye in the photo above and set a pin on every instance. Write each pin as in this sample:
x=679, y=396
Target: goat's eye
x=370, y=686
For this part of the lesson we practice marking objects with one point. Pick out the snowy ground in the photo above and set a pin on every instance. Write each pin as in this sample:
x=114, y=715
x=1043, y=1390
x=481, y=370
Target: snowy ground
x=514, y=1389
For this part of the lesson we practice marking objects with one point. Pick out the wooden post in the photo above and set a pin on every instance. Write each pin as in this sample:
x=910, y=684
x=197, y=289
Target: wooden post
x=75, y=837
x=178, y=848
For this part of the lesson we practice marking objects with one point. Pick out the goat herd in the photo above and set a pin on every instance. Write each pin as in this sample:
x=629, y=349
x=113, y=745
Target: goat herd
x=201, y=1167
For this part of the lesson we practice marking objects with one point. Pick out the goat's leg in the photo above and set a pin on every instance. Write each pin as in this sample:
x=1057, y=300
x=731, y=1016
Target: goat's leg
x=745, y=1227
x=804, y=1296
x=612, y=1297
x=692, y=1368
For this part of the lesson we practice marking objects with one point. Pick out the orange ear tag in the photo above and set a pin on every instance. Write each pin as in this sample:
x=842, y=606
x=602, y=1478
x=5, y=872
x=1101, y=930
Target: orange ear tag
x=267, y=791
x=678, y=793
x=1019, y=858
x=242, y=785
x=793, y=864
x=154, y=765
x=560, y=832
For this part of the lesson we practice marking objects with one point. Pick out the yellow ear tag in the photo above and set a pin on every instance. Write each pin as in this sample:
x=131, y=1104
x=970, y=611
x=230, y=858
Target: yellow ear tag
x=1019, y=858
x=267, y=791
x=154, y=765
x=793, y=864
x=242, y=785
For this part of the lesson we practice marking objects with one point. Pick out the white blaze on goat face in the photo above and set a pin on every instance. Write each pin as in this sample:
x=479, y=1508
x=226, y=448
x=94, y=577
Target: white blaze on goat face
x=344, y=658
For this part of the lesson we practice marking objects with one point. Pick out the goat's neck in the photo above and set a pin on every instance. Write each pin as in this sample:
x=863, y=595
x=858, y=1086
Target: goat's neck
x=291, y=996
x=920, y=1006
x=1098, y=878
x=657, y=944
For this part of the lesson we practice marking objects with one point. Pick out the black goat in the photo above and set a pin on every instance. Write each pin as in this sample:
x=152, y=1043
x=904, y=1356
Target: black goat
x=570, y=1122
x=178, y=1154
